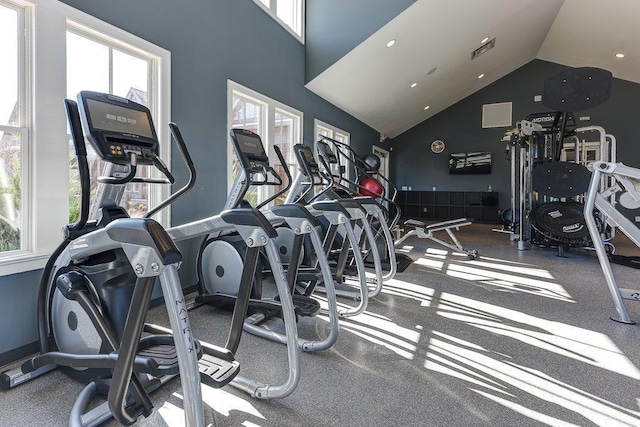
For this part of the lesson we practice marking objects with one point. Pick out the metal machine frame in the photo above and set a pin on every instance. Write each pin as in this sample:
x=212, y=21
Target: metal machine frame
x=627, y=180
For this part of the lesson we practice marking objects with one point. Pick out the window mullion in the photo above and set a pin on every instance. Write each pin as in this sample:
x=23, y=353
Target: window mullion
x=13, y=129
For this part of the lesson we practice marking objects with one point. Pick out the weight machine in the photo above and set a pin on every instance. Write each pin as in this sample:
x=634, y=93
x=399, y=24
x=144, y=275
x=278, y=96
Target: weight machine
x=549, y=175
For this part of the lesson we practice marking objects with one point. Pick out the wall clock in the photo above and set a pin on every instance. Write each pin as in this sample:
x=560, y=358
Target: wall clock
x=437, y=146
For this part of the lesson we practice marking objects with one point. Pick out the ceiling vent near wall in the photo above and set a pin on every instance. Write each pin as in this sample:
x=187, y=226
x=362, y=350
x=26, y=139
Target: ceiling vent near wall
x=484, y=48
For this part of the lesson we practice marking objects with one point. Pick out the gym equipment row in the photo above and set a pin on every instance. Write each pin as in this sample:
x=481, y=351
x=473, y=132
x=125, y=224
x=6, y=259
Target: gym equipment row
x=97, y=285
x=341, y=162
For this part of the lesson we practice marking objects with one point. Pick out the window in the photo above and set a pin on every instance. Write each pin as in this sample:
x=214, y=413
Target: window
x=94, y=63
x=34, y=160
x=324, y=129
x=14, y=135
x=288, y=13
x=276, y=123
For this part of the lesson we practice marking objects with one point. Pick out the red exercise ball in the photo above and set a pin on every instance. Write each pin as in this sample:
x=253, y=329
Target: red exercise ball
x=371, y=187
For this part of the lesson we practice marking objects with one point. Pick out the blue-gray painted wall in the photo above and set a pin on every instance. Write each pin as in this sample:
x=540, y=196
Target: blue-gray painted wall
x=210, y=41
x=460, y=127
x=335, y=27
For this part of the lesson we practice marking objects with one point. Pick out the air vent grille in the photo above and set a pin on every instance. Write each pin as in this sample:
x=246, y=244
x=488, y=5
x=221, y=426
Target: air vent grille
x=483, y=49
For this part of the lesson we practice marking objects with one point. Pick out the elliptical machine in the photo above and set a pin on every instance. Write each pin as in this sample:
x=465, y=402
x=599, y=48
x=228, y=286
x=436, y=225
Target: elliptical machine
x=383, y=212
x=221, y=254
x=363, y=211
x=97, y=285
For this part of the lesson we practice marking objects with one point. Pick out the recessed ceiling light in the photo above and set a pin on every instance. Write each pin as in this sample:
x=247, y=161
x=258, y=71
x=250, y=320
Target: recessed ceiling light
x=481, y=76
x=414, y=84
x=619, y=55
x=433, y=70
x=426, y=108
x=484, y=40
x=391, y=43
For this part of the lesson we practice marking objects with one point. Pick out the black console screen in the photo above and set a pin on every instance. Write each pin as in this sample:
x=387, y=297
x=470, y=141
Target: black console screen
x=251, y=145
x=114, y=118
x=327, y=152
x=308, y=156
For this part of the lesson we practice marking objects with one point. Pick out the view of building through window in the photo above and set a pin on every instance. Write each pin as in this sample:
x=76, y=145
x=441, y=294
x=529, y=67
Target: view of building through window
x=12, y=132
x=97, y=66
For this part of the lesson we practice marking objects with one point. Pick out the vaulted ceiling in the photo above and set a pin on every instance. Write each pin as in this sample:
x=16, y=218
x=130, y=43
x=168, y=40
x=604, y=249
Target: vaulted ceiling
x=373, y=82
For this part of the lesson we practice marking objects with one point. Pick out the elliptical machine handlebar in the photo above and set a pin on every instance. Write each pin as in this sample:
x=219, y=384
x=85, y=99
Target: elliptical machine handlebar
x=73, y=115
x=132, y=167
x=186, y=157
x=273, y=171
x=326, y=175
x=267, y=172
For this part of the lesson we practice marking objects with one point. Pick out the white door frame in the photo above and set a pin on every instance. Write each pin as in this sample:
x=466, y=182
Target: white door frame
x=384, y=166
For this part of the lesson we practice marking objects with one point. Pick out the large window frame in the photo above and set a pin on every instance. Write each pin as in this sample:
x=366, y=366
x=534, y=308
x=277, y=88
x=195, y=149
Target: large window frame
x=322, y=128
x=24, y=25
x=296, y=27
x=267, y=128
x=156, y=193
x=45, y=168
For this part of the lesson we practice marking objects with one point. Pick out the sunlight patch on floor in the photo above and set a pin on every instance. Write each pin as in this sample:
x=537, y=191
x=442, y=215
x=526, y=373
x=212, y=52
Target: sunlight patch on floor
x=530, y=413
x=224, y=402
x=400, y=340
x=509, y=277
x=172, y=415
x=576, y=343
x=538, y=384
x=400, y=288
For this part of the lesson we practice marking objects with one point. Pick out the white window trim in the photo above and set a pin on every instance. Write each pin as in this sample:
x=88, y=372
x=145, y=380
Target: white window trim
x=25, y=23
x=48, y=179
x=316, y=136
x=269, y=113
x=271, y=10
x=319, y=123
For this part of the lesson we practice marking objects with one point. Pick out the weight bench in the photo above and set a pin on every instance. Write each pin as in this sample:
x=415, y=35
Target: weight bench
x=424, y=231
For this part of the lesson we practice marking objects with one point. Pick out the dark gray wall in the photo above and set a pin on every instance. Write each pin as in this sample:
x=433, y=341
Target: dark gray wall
x=460, y=127
x=210, y=41
x=335, y=27
x=18, y=327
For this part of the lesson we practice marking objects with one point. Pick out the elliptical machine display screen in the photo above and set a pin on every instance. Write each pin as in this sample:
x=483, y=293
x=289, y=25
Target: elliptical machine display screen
x=249, y=145
x=117, y=127
x=325, y=150
x=306, y=159
x=113, y=118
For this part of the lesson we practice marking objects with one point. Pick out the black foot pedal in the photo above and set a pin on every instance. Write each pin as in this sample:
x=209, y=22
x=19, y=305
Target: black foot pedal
x=216, y=372
x=165, y=356
x=309, y=274
x=306, y=306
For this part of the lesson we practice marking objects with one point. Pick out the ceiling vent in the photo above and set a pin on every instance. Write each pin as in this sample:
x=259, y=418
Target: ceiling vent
x=484, y=48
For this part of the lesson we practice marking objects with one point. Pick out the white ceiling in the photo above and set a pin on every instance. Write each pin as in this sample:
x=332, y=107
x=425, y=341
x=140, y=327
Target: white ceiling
x=372, y=82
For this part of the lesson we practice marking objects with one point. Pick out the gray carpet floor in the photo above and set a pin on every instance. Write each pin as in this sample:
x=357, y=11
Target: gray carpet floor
x=514, y=338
